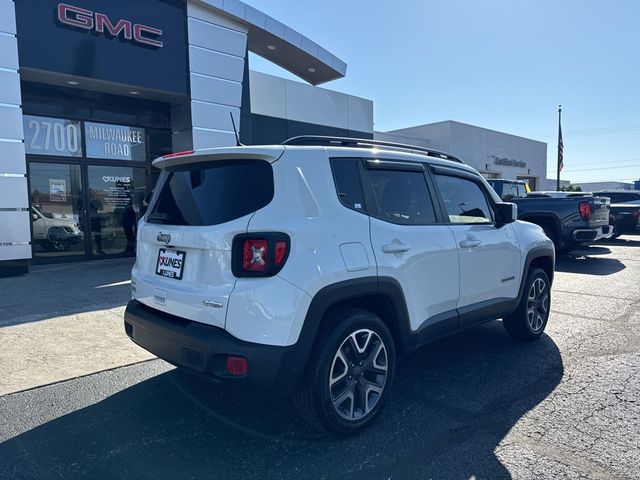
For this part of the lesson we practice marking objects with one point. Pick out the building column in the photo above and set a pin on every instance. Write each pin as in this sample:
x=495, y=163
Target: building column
x=217, y=56
x=15, y=230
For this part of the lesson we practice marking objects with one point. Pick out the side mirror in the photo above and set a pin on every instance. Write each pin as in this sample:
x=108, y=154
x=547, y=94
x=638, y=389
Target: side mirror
x=34, y=217
x=505, y=213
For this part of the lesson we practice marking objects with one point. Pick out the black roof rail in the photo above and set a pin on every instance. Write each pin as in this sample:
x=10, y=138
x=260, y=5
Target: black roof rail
x=321, y=140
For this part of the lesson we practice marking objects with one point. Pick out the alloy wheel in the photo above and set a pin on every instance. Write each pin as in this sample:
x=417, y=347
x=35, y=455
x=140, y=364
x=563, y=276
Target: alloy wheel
x=537, y=305
x=358, y=374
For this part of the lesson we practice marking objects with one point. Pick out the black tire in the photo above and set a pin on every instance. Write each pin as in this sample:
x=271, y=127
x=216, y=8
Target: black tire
x=530, y=318
x=57, y=245
x=616, y=233
x=315, y=398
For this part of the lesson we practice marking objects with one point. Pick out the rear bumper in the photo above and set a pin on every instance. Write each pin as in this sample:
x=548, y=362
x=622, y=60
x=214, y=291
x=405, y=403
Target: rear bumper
x=626, y=223
x=585, y=235
x=203, y=349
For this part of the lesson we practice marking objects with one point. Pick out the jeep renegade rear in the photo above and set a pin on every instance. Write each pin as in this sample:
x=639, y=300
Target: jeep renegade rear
x=305, y=268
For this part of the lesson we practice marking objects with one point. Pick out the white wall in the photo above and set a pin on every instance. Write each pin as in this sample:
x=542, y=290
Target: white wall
x=479, y=146
x=400, y=138
x=550, y=184
x=277, y=97
x=15, y=234
x=595, y=186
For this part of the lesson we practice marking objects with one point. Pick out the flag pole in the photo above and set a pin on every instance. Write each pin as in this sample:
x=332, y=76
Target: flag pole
x=560, y=148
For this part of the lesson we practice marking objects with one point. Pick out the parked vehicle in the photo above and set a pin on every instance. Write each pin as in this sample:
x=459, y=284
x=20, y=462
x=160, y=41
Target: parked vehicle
x=621, y=196
x=553, y=194
x=54, y=234
x=625, y=210
x=568, y=218
x=624, y=218
x=510, y=189
x=307, y=267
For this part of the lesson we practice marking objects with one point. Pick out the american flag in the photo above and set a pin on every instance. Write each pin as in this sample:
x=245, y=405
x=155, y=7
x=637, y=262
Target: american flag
x=560, y=144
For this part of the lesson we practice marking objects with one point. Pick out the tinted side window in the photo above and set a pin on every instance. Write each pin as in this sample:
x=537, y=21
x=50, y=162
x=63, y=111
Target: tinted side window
x=212, y=193
x=402, y=197
x=464, y=200
x=347, y=180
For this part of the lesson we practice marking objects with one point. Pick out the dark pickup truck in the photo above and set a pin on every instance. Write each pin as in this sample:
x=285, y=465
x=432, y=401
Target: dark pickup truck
x=568, y=218
x=625, y=210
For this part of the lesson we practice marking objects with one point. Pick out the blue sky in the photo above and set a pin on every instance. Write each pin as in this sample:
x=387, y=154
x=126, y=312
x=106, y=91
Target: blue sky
x=502, y=64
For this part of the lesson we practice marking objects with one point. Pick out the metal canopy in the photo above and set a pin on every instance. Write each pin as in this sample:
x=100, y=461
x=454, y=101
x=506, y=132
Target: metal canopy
x=281, y=44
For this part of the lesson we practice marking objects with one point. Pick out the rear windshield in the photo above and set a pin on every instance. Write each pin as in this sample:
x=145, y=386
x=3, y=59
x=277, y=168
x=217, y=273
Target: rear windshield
x=212, y=193
x=513, y=190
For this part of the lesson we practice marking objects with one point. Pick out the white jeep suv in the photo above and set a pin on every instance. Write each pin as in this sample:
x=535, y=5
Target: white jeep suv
x=307, y=267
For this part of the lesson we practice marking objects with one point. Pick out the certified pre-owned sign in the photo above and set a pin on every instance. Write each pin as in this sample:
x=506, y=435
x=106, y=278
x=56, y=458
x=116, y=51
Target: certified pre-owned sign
x=100, y=23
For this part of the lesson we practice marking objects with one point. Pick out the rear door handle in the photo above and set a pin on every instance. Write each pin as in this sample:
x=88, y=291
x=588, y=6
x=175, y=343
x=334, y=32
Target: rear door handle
x=395, y=248
x=470, y=243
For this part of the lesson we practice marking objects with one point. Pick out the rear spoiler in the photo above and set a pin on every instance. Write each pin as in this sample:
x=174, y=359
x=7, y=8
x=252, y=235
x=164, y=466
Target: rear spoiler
x=268, y=153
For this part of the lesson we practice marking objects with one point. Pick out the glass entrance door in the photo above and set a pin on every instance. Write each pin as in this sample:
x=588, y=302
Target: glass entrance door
x=80, y=210
x=57, y=217
x=115, y=197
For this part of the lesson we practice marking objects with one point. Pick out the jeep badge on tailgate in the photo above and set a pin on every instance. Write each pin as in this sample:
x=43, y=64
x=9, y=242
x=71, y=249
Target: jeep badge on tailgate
x=163, y=237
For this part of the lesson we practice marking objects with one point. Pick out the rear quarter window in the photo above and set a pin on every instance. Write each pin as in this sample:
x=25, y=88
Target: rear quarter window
x=212, y=192
x=348, y=185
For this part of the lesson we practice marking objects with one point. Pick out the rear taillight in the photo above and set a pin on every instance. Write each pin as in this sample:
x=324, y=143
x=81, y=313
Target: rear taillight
x=254, y=255
x=281, y=252
x=636, y=216
x=261, y=254
x=585, y=211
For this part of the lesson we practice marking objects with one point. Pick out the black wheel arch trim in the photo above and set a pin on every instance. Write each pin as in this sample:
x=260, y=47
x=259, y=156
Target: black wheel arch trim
x=352, y=289
x=388, y=287
x=533, y=254
x=406, y=339
x=544, y=216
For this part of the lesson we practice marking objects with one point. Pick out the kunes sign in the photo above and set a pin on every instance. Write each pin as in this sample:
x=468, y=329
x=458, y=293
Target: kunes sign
x=114, y=179
x=100, y=23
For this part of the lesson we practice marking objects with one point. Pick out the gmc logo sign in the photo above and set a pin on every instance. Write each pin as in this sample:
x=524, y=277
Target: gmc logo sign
x=100, y=23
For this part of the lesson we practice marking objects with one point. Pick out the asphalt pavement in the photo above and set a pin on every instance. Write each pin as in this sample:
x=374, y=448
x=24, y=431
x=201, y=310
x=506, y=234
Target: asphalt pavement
x=475, y=405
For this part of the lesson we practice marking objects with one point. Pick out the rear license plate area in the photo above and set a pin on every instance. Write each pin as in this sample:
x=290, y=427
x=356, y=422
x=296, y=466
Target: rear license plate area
x=170, y=263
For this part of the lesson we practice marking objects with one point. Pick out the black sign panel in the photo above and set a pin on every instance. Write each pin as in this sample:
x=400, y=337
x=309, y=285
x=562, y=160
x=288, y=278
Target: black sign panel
x=141, y=43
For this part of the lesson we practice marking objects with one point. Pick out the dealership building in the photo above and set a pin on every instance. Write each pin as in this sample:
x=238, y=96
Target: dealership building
x=92, y=91
x=493, y=154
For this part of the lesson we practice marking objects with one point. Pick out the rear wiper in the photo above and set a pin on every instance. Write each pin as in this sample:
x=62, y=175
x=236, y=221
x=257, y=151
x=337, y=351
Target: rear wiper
x=160, y=217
